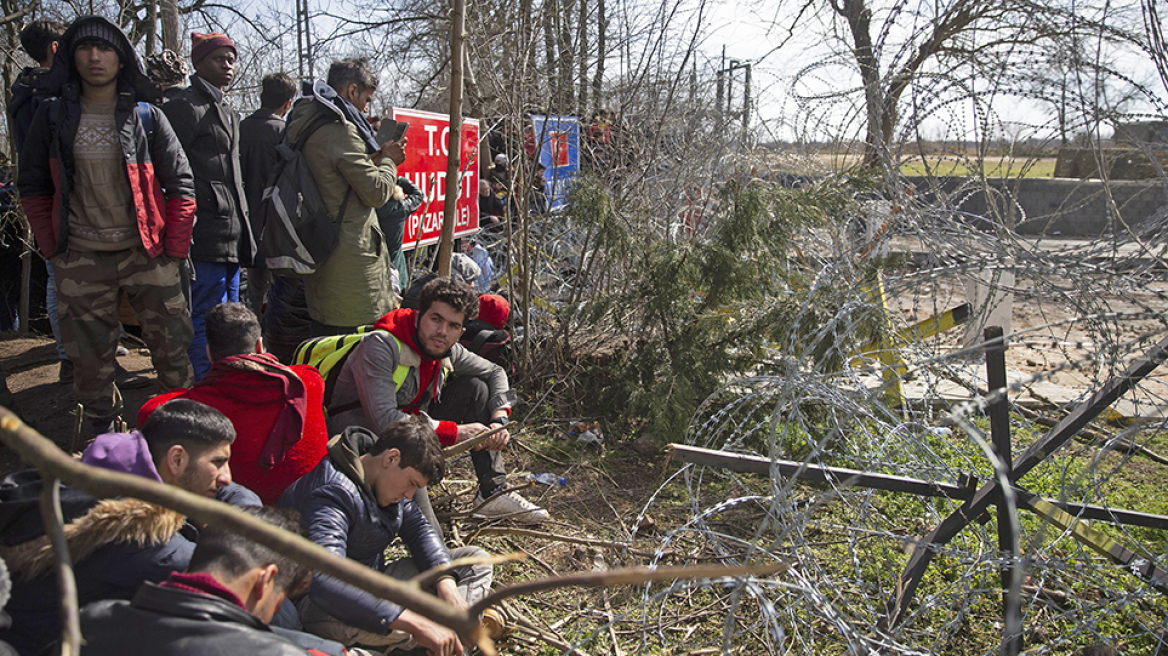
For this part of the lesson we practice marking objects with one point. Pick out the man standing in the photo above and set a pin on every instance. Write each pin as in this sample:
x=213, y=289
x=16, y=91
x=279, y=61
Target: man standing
x=276, y=410
x=40, y=40
x=259, y=134
x=222, y=604
x=355, y=503
x=413, y=364
x=355, y=174
x=209, y=131
x=111, y=203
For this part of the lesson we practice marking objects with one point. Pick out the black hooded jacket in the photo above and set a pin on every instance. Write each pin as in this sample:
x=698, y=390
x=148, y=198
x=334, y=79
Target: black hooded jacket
x=208, y=128
x=27, y=95
x=116, y=544
x=156, y=169
x=167, y=621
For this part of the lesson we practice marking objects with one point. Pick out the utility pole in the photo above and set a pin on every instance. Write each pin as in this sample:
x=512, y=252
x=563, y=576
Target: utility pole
x=304, y=40
x=725, y=80
x=721, y=86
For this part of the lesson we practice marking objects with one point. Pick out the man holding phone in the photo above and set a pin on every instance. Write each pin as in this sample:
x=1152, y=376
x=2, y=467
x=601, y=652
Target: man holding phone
x=392, y=216
x=355, y=173
x=389, y=129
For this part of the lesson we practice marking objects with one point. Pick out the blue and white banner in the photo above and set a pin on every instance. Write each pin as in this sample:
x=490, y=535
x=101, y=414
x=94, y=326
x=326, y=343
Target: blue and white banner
x=559, y=150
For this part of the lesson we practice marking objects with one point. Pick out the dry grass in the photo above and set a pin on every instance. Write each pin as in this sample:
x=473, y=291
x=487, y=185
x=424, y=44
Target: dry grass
x=954, y=165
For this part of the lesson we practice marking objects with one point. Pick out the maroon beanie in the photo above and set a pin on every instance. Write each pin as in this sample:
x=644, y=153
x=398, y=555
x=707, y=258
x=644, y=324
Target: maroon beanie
x=203, y=44
x=494, y=310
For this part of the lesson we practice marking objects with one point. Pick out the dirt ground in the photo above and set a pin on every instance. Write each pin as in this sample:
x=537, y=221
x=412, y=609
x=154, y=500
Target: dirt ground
x=32, y=368
x=1055, y=355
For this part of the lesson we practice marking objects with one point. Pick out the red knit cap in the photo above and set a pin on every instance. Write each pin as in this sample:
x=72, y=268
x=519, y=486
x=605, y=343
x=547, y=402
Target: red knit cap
x=494, y=310
x=203, y=44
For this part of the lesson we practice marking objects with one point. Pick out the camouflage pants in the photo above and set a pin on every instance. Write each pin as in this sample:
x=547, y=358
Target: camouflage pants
x=88, y=287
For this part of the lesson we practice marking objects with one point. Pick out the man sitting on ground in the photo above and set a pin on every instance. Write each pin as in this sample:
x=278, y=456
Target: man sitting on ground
x=276, y=410
x=355, y=503
x=116, y=544
x=222, y=604
x=400, y=369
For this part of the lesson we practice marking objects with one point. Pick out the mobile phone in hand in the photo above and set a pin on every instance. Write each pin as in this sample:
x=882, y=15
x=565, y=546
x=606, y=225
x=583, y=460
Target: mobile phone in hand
x=385, y=130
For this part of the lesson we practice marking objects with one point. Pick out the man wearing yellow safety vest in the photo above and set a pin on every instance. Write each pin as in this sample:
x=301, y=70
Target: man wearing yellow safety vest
x=412, y=363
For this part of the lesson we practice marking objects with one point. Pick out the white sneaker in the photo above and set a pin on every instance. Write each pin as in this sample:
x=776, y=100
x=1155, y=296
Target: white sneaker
x=511, y=506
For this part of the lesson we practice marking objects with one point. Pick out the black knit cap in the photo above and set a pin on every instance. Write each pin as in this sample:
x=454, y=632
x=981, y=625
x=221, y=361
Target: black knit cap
x=92, y=28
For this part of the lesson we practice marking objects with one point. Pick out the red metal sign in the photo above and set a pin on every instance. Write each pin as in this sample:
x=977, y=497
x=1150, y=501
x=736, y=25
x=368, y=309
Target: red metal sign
x=425, y=166
x=559, y=143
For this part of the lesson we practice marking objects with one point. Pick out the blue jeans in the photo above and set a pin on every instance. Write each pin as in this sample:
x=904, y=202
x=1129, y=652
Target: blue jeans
x=51, y=307
x=214, y=283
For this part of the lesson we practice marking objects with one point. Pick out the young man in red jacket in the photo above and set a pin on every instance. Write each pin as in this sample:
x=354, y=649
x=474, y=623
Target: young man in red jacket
x=111, y=200
x=276, y=410
x=412, y=364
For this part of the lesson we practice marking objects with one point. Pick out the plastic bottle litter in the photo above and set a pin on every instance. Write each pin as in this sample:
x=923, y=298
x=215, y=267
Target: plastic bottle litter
x=941, y=431
x=548, y=479
x=588, y=432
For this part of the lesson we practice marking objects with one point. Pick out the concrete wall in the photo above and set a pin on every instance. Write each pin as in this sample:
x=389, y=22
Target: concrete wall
x=1121, y=163
x=1049, y=206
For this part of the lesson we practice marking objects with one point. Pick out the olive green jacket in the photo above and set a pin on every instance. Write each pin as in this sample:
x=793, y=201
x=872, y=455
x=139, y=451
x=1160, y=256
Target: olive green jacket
x=352, y=287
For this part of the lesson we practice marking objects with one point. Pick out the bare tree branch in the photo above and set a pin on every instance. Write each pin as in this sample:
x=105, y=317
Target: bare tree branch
x=629, y=577
x=19, y=14
x=50, y=504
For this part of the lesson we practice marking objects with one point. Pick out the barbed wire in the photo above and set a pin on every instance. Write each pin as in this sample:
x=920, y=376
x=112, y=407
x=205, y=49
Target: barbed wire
x=1082, y=312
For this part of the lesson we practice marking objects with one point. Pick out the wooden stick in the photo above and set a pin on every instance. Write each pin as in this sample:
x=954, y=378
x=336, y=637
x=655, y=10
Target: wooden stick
x=50, y=505
x=502, y=530
x=630, y=576
x=430, y=576
x=467, y=445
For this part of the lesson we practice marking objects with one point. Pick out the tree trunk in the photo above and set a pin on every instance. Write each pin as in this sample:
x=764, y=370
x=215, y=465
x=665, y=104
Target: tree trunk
x=582, y=58
x=526, y=29
x=859, y=19
x=151, y=27
x=567, y=56
x=171, y=37
x=454, y=142
x=551, y=69
x=598, y=78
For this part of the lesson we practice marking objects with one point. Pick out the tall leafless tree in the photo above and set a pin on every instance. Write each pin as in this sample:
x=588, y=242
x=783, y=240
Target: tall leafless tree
x=894, y=48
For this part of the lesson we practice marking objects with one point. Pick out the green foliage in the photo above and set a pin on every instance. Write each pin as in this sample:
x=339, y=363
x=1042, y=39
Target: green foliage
x=698, y=311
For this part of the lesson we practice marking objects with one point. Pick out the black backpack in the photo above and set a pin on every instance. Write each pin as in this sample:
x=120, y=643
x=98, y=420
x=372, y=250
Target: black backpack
x=299, y=235
x=483, y=339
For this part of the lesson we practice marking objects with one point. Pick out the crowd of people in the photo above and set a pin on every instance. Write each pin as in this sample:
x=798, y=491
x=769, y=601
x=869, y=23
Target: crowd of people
x=143, y=194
